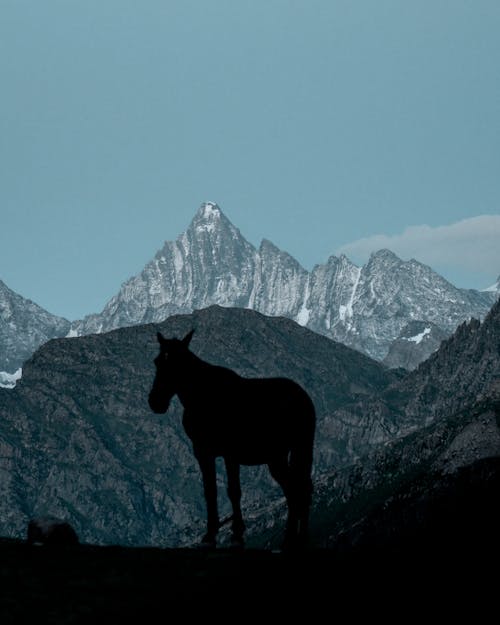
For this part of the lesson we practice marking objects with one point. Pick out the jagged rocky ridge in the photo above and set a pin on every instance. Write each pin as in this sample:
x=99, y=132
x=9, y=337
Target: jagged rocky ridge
x=24, y=326
x=79, y=442
x=436, y=488
x=453, y=379
x=435, y=475
x=365, y=308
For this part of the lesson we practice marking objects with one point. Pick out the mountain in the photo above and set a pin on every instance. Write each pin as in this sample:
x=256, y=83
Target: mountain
x=389, y=293
x=431, y=492
x=368, y=308
x=79, y=441
x=363, y=307
x=415, y=343
x=440, y=426
x=434, y=491
x=494, y=288
x=24, y=326
x=432, y=481
x=453, y=379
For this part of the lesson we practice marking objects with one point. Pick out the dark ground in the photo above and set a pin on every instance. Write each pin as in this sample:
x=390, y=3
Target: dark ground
x=89, y=584
x=429, y=552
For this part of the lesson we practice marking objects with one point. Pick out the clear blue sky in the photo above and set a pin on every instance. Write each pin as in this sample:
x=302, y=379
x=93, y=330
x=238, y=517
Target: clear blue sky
x=316, y=124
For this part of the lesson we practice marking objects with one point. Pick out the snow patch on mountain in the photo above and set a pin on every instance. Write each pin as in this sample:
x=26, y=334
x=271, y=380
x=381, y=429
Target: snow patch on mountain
x=346, y=311
x=9, y=380
x=418, y=338
x=212, y=263
x=210, y=209
x=304, y=312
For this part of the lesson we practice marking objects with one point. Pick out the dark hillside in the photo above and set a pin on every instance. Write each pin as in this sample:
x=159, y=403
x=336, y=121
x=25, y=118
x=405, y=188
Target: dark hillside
x=79, y=441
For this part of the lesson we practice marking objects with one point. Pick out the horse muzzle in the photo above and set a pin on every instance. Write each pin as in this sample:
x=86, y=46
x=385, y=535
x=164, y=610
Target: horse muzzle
x=157, y=405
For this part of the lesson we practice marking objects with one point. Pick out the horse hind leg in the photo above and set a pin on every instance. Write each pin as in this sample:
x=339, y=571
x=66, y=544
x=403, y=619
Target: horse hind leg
x=304, y=496
x=300, y=476
x=234, y=494
x=280, y=471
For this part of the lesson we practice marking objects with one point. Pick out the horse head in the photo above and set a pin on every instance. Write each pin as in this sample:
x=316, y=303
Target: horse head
x=168, y=371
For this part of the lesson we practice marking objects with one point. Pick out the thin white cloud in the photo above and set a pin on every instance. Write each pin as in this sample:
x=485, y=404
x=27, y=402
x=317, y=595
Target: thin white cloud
x=471, y=245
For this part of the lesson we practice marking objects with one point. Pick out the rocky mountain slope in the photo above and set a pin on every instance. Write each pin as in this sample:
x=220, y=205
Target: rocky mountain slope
x=78, y=440
x=24, y=326
x=433, y=490
x=363, y=307
x=415, y=343
x=433, y=479
x=453, y=379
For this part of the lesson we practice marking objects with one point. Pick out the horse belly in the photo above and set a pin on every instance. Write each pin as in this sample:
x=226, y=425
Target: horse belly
x=252, y=448
x=259, y=423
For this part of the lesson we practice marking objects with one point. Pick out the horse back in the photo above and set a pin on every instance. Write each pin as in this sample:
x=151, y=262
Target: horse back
x=252, y=419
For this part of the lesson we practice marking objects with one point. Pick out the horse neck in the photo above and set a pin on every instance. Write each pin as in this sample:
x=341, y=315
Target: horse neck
x=192, y=380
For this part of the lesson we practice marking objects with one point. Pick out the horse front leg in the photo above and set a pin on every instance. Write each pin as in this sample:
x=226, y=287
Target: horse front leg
x=234, y=494
x=207, y=466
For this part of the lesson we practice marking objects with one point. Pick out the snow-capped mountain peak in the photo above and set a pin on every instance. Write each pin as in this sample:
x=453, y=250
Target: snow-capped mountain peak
x=212, y=263
x=210, y=210
x=210, y=224
x=208, y=217
x=24, y=326
x=384, y=255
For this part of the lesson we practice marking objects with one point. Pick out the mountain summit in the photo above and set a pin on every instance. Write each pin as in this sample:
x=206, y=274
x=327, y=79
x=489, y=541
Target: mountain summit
x=364, y=307
x=24, y=326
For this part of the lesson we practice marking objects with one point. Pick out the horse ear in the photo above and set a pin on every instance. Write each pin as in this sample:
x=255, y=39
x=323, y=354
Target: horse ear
x=187, y=339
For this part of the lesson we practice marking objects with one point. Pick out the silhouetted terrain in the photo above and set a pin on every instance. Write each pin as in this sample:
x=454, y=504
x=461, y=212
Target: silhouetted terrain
x=440, y=470
x=406, y=490
x=436, y=490
x=88, y=584
x=78, y=439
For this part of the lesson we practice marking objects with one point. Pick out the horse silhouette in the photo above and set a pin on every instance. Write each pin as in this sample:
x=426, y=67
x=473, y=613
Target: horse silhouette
x=246, y=421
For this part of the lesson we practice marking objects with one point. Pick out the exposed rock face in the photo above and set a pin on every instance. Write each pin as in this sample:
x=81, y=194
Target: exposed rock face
x=433, y=480
x=212, y=263
x=363, y=307
x=24, y=326
x=437, y=488
x=415, y=343
x=78, y=440
x=459, y=374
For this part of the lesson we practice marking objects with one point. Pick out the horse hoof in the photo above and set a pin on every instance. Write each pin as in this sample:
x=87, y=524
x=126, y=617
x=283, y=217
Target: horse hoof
x=237, y=542
x=290, y=543
x=294, y=544
x=207, y=543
